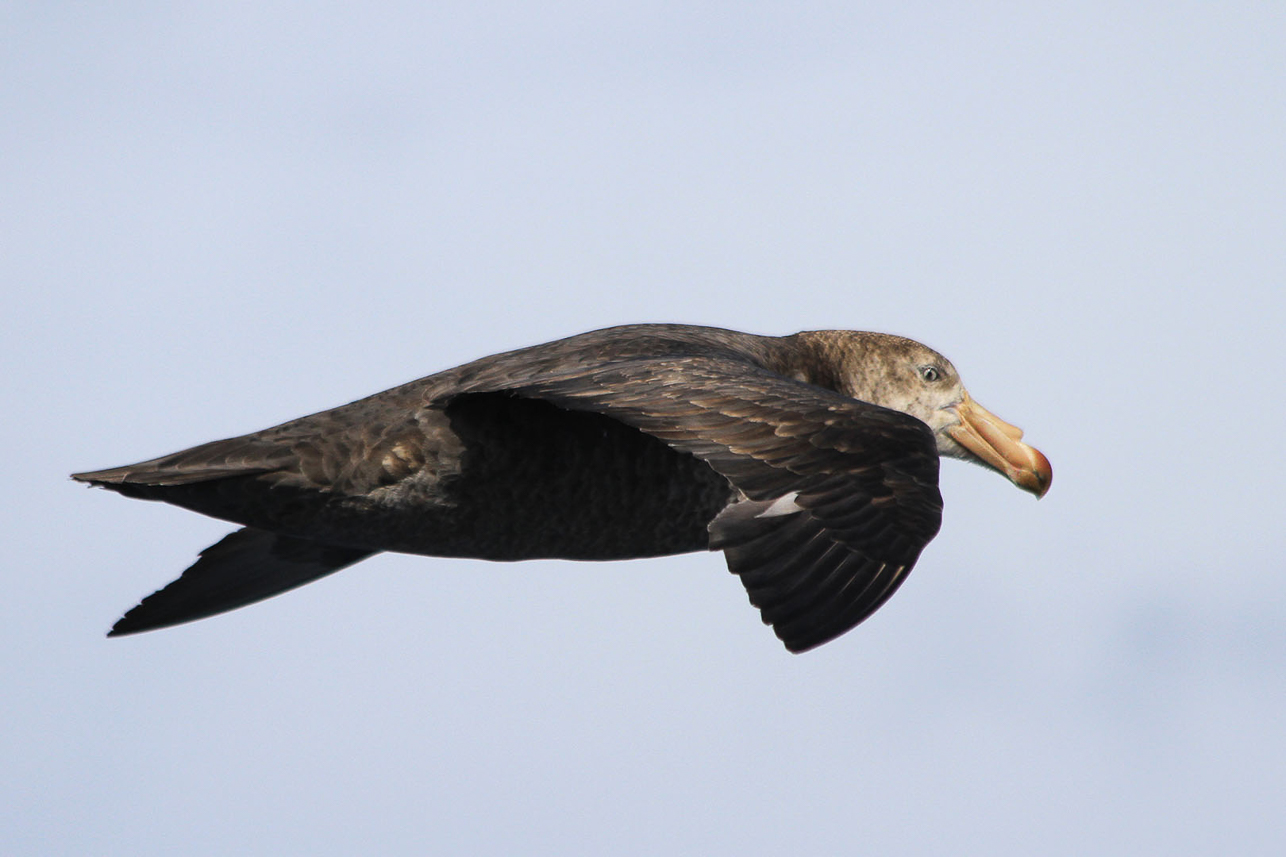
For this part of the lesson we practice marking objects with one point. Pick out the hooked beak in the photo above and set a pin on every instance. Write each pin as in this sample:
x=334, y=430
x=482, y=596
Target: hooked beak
x=1000, y=445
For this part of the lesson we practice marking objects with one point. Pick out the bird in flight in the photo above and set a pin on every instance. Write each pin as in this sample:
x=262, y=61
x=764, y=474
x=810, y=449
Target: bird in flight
x=810, y=460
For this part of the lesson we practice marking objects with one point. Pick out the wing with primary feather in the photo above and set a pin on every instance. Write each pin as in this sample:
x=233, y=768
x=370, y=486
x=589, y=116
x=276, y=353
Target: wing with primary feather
x=246, y=566
x=840, y=495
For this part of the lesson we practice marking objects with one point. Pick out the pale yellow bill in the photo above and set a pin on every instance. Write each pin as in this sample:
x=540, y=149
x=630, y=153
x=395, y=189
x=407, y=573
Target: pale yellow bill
x=999, y=444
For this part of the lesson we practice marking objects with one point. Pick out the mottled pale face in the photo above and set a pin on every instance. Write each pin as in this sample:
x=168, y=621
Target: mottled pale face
x=906, y=376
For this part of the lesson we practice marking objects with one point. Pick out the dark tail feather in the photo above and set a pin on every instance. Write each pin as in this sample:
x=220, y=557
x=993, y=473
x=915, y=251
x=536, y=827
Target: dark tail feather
x=220, y=459
x=246, y=566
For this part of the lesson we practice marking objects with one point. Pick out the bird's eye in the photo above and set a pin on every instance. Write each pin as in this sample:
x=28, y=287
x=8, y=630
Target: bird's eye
x=930, y=373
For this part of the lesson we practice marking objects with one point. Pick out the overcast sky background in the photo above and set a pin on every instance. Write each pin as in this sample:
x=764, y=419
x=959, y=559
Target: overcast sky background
x=218, y=217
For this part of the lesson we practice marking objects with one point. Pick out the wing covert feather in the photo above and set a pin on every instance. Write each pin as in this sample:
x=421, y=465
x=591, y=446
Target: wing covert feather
x=863, y=479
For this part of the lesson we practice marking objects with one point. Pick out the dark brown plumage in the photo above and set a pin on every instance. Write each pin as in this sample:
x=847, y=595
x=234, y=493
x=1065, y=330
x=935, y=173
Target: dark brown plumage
x=810, y=460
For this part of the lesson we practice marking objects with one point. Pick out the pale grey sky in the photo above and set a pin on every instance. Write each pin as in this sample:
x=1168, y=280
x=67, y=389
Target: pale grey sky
x=220, y=217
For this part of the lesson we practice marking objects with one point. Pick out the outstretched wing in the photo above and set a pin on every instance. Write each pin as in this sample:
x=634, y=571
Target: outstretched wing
x=840, y=496
x=246, y=566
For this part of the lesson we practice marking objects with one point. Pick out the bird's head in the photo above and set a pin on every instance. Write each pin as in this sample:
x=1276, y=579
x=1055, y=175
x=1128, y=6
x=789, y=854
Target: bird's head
x=907, y=376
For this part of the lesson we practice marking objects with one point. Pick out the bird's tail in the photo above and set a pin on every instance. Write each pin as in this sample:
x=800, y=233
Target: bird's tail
x=220, y=459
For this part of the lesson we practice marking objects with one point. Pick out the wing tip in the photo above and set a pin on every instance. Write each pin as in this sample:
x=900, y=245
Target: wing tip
x=132, y=623
x=799, y=645
x=244, y=567
x=154, y=613
x=119, y=629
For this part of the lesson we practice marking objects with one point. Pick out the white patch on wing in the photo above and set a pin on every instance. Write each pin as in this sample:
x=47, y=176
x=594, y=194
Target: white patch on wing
x=783, y=505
